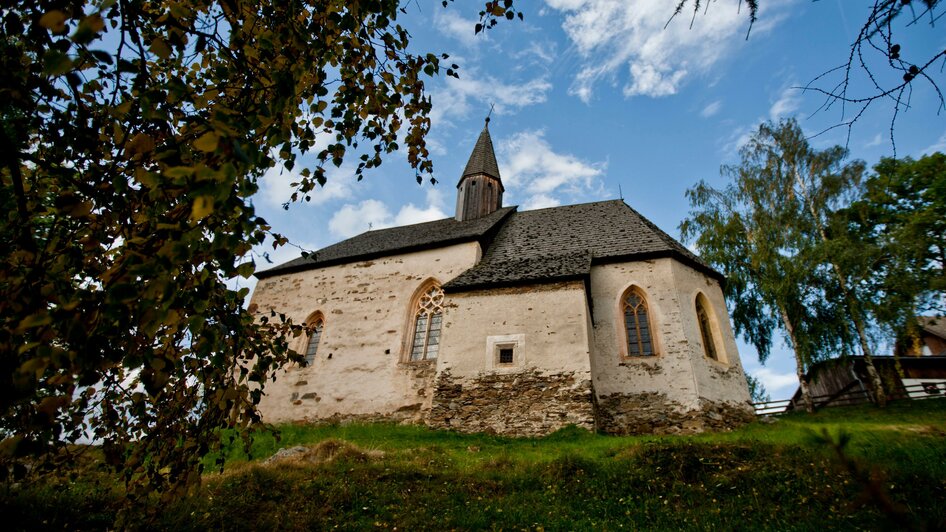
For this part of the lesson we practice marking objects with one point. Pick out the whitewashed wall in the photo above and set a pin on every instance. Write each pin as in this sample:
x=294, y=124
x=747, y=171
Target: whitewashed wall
x=367, y=320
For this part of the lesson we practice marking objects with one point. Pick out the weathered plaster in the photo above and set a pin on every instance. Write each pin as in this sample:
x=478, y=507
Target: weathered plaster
x=666, y=373
x=719, y=381
x=547, y=387
x=679, y=380
x=358, y=371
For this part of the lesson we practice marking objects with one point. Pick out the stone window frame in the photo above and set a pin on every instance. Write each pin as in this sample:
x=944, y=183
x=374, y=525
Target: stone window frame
x=516, y=342
x=625, y=339
x=414, y=313
x=316, y=320
x=708, y=326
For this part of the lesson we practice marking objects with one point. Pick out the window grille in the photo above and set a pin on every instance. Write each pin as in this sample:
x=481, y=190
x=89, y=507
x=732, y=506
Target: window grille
x=427, y=322
x=637, y=326
x=312, y=346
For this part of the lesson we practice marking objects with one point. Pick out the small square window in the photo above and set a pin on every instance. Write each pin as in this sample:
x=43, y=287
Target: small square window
x=505, y=355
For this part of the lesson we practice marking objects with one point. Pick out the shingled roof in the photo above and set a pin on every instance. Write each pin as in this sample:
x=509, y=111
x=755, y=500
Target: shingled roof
x=483, y=159
x=554, y=244
x=561, y=243
x=385, y=242
x=935, y=325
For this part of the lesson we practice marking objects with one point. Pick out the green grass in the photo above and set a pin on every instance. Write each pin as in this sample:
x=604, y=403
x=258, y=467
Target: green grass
x=775, y=476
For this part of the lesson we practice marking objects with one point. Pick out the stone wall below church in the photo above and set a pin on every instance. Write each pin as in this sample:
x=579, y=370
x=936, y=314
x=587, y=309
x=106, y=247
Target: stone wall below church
x=527, y=403
x=656, y=413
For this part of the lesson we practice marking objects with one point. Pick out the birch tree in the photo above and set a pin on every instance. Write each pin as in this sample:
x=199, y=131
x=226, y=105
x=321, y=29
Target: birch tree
x=748, y=230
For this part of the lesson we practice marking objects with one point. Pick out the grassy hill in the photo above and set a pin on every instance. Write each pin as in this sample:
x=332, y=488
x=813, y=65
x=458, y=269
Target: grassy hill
x=791, y=474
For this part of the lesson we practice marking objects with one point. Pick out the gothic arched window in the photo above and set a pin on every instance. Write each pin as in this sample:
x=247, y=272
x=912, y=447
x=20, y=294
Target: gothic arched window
x=706, y=328
x=640, y=340
x=312, y=342
x=428, y=315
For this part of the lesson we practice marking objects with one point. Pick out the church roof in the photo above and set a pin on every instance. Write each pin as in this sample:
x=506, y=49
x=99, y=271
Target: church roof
x=483, y=158
x=544, y=245
x=384, y=242
x=562, y=243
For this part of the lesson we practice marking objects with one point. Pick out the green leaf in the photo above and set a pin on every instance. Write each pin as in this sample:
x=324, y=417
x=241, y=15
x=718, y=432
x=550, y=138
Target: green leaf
x=207, y=142
x=56, y=63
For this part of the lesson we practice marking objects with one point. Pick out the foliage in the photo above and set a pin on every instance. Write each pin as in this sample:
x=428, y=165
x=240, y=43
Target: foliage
x=133, y=135
x=760, y=233
x=894, y=240
x=764, y=476
x=757, y=391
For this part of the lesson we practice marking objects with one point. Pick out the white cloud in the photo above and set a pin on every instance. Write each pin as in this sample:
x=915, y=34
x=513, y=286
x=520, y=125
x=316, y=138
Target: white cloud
x=456, y=97
x=533, y=169
x=276, y=185
x=938, y=146
x=711, y=109
x=612, y=35
x=787, y=103
x=353, y=219
x=778, y=385
x=877, y=141
x=543, y=52
x=452, y=25
x=540, y=201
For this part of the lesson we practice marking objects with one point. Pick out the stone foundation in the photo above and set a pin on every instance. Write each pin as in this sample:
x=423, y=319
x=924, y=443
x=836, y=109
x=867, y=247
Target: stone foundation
x=521, y=404
x=655, y=413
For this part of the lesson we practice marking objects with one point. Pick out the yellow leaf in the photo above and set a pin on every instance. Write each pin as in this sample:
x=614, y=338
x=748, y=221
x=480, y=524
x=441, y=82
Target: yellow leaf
x=160, y=48
x=35, y=320
x=203, y=206
x=94, y=22
x=140, y=143
x=54, y=21
x=207, y=142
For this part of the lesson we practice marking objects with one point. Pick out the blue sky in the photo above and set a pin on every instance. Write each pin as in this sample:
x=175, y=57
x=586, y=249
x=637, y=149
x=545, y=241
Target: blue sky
x=593, y=97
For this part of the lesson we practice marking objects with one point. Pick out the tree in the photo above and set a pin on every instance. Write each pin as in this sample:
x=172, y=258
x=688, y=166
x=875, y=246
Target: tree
x=880, y=66
x=893, y=240
x=133, y=135
x=763, y=232
x=757, y=391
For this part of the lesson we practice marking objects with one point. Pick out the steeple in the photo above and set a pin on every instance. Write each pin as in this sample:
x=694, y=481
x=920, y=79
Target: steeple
x=480, y=190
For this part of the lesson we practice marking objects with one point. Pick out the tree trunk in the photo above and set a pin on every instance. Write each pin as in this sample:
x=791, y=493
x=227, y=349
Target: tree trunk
x=799, y=363
x=880, y=396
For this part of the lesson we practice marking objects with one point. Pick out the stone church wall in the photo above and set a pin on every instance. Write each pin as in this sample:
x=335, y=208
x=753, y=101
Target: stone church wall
x=678, y=390
x=358, y=372
x=548, y=383
x=722, y=383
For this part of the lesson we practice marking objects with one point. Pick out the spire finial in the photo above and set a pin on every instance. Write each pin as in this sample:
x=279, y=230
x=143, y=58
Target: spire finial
x=491, y=106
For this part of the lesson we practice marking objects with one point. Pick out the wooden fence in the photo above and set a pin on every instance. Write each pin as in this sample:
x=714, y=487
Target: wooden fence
x=849, y=396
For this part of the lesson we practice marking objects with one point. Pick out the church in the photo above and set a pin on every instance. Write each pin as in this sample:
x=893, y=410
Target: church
x=509, y=322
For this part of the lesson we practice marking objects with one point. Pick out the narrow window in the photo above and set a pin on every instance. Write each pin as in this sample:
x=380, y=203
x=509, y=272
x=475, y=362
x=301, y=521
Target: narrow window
x=706, y=331
x=637, y=325
x=427, y=320
x=312, y=346
x=505, y=355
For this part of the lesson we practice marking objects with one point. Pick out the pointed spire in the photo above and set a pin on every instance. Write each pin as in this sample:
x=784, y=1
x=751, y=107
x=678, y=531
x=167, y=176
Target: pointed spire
x=483, y=159
x=480, y=190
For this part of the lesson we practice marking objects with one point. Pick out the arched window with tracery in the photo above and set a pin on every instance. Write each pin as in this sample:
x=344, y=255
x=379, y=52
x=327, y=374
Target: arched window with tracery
x=428, y=315
x=706, y=328
x=637, y=324
x=316, y=324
